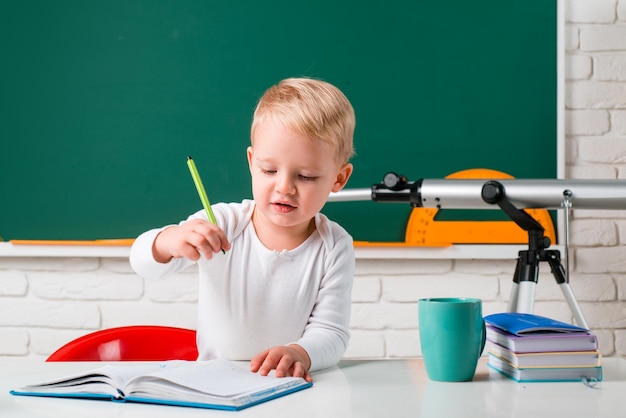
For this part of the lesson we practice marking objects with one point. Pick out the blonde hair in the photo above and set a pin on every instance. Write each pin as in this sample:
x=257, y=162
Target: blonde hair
x=314, y=108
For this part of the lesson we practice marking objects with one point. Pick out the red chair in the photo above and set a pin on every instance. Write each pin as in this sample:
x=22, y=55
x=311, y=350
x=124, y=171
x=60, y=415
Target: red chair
x=131, y=343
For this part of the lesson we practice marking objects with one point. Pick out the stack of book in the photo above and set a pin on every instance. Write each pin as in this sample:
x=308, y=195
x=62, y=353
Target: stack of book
x=527, y=348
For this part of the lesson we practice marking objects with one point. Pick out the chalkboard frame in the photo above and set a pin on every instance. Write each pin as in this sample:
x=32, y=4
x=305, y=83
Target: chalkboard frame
x=62, y=201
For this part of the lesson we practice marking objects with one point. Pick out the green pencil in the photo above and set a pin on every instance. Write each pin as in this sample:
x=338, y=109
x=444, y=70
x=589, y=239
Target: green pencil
x=204, y=198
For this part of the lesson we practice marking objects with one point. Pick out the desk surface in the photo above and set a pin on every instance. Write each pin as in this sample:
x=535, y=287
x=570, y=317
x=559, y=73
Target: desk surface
x=376, y=388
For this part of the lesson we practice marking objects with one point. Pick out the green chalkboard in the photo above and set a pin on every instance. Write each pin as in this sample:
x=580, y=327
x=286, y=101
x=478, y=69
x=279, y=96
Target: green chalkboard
x=102, y=101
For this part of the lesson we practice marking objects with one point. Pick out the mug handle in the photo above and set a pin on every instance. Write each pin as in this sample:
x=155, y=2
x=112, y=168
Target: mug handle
x=484, y=340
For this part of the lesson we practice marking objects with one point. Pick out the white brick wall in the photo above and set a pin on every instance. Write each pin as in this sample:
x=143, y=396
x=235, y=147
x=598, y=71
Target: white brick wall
x=45, y=302
x=596, y=148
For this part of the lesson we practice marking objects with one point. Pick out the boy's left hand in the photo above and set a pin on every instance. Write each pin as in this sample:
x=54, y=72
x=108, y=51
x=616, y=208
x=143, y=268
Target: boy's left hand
x=289, y=360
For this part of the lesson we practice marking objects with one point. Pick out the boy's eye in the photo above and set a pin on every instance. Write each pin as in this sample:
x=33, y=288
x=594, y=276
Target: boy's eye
x=269, y=171
x=307, y=178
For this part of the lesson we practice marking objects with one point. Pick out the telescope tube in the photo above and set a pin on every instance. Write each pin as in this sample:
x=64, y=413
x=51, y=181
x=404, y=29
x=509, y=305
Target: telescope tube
x=523, y=193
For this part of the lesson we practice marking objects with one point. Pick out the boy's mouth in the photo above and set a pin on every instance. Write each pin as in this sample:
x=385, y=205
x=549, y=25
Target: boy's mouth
x=283, y=207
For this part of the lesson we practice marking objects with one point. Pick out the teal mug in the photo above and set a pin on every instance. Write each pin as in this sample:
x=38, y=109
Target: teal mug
x=452, y=337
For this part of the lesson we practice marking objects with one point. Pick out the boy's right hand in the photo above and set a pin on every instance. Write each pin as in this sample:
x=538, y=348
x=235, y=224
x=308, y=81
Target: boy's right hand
x=190, y=240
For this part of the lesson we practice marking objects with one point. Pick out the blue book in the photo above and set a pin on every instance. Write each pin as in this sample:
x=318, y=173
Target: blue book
x=523, y=324
x=215, y=384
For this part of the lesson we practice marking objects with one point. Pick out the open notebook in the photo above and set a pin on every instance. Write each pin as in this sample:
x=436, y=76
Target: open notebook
x=215, y=384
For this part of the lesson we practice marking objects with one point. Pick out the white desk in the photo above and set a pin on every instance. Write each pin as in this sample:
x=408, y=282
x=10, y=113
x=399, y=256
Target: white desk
x=377, y=388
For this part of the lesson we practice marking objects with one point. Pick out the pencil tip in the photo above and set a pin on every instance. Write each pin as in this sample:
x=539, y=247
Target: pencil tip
x=189, y=157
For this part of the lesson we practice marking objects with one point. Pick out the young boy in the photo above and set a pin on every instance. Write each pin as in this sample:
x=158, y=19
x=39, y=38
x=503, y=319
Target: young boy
x=280, y=295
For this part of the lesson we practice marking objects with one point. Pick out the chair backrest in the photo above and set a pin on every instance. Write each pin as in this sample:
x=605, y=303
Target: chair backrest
x=131, y=343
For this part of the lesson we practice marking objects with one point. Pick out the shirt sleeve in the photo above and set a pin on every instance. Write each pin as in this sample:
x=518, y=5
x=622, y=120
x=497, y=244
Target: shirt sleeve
x=231, y=218
x=327, y=333
x=143, y=262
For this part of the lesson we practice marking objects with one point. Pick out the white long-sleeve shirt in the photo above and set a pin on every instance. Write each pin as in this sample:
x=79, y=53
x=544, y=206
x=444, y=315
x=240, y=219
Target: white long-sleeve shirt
x=252, y=298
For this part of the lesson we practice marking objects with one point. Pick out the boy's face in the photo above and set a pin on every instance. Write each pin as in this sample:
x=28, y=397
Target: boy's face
x=291, y=176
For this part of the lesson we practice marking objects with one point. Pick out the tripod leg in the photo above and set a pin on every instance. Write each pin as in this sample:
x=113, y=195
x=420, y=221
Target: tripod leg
x=573, y=305
x=526, y=297
x=554, y=259
x=526, y=275
x=512, y=307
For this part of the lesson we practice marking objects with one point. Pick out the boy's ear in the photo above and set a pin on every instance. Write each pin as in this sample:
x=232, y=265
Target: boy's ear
x=249, y=154
x=342, y=177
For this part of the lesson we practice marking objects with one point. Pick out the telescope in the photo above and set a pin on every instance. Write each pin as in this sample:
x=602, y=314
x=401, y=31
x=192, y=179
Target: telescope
x=469, y=193
x=511, y=196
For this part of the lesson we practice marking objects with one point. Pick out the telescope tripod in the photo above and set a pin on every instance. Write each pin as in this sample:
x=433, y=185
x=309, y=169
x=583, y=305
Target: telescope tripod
x=526, y=274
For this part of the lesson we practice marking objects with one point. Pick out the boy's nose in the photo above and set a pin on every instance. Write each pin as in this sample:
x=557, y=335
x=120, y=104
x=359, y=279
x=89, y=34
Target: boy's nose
x=285, y=185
